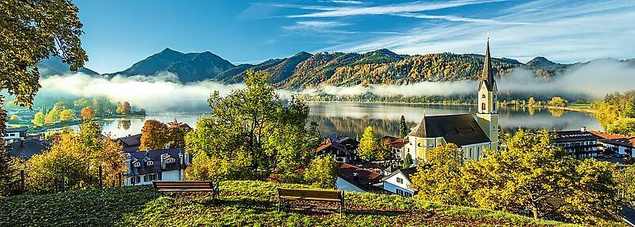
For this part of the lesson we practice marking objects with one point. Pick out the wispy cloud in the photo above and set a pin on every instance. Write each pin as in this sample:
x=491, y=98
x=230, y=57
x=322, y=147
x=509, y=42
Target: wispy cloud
x=316, y=27
x=347, y=2
x=570, y=32
x=388, y=9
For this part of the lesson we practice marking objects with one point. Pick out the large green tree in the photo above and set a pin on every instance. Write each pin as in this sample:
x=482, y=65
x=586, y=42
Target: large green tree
x=30, y=31
x=252, y=133
x=440, y=179
x=322, y=172
x=526, y=174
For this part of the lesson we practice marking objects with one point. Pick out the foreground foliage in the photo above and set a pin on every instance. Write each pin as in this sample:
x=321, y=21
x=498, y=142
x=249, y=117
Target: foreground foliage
x=529, y=175
x=242, y=203
x=255, y=133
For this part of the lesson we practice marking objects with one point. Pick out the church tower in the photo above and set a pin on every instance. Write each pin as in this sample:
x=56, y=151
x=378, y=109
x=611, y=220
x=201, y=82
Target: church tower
x=487, y=114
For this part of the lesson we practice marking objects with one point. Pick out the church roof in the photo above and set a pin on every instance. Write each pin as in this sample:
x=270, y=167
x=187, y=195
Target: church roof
x=460, y=129
x=488, y=73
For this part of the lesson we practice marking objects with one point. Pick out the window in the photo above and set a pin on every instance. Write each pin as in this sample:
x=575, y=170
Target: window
x=407, y=194
x=494, y=106
x=400, y=180
x=419, y=145
x=399, y=192
x=170, y=160
x=150, y=163
x=483, y=96
x=137, y=164
x=148, y=178
x=482, y=106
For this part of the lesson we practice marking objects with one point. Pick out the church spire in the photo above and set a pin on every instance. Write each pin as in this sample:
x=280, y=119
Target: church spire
x=488, y=73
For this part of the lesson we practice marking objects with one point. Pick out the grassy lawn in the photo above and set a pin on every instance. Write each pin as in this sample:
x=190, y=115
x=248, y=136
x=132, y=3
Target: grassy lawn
x=242, y=203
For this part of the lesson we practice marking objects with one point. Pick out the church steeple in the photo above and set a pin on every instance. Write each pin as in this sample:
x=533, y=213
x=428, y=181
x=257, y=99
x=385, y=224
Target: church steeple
x=488, y=73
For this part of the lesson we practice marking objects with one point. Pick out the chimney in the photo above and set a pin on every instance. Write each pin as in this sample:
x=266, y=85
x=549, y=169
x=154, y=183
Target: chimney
x=163, y=157
x=128, y=162
x=583, y=129
x=181, y=159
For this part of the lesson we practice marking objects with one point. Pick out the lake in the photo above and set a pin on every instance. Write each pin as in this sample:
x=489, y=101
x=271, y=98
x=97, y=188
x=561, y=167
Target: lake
x=350, y=118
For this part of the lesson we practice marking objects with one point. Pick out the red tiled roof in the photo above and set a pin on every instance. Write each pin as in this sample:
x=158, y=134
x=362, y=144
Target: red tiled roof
x=329, y=143
x=606, y=135
x=358, y=176
x=395, y=142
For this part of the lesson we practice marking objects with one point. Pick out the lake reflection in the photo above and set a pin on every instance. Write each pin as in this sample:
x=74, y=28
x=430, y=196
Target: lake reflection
x=351, y=118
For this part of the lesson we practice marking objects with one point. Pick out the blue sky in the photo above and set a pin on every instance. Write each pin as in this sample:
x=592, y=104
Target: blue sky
x=122, y=32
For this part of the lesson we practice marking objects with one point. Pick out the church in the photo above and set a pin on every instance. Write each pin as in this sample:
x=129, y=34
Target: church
x=473, y=135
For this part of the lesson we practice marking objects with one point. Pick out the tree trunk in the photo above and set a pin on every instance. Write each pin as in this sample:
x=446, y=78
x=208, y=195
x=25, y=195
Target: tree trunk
x=535, y=212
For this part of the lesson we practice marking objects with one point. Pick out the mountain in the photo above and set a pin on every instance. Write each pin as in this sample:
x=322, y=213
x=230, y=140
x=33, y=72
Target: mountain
x=55, y=66
x=306, y=70
x=188, y=67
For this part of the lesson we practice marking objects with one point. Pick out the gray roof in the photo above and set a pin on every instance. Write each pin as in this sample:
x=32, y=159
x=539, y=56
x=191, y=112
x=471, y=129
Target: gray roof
x=460, y=129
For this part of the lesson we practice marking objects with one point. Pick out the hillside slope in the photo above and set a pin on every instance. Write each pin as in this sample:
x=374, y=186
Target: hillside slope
x=242, y=203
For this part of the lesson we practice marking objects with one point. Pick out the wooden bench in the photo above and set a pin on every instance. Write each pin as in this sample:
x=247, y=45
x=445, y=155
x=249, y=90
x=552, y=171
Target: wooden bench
x=287, y=194
x=186, y=186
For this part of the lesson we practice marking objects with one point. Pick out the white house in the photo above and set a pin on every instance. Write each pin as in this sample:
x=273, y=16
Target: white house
x=473, y=135
x=399, y=182
x=15, y=133
x=622, y=146
x=166, y=164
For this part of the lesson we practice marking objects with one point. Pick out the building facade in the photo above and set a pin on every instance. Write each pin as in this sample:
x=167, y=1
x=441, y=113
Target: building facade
x=144, y=167
x=472, y=135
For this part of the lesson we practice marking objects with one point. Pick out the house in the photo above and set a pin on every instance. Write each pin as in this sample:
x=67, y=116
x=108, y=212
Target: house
x=587, y=144
x=145, y=166
x=621, y=146
x=399, y=182
x=473, y=135
x=396, y=146
x=27, y=147
x=341, y=150
x=184, y=126
x=350, y=143
x=130, y=143
x=356, y=179
x=11, y=134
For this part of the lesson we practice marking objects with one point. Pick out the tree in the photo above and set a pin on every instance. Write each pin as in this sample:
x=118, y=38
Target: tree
x=5, y=172
x=14, y=119
x=558, y=102
x=624, y=126
x=67, y=115
x=205, y=167
x=367, y=145
x=593, y=196
x=38, y=119
x=176, y=134
x=126, y=109
x=154, y=135
x=74, y=159
x=625, y=185
x=255, y=133
x=440, y=179
x=31, y=31
x=403, y=127
x=322, y=172
x=531, y=102
x=629, y=108
x=87, y=113
x=407, y=161
x=526, y=175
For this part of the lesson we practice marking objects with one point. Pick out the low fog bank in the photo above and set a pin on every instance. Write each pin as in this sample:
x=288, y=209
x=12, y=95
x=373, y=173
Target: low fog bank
x=163, y=92
x=590, y=80
x=153, y=93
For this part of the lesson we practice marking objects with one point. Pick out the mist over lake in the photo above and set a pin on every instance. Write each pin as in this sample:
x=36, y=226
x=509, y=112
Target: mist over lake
x=350, y=118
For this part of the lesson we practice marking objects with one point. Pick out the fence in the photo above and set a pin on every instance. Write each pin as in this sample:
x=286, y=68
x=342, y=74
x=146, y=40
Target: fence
x=18, y=184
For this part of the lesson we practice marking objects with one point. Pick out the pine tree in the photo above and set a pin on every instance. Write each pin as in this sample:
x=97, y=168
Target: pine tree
x=403, y=127
x=407, y=161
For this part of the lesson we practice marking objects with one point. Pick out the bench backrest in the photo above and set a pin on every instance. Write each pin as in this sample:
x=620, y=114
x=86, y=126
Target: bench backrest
x=183, y=184
x=308, y=193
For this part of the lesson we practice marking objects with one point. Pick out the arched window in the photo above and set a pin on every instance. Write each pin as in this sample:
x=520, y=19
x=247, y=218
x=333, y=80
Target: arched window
x=482, y=106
